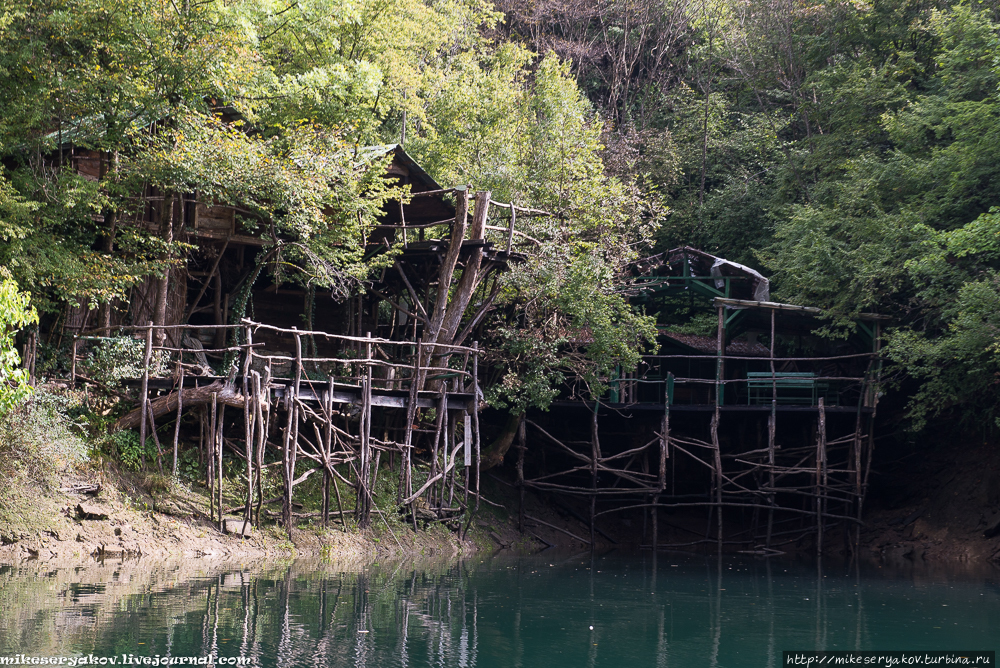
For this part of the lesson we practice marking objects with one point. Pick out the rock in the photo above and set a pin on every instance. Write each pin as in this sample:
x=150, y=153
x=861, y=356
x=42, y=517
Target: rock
x=237, y=526
x=90, y=512
x=992, y=531
x=169, y=507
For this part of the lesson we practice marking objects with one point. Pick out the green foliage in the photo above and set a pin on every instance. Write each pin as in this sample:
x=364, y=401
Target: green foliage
x=115, y=358
x=125, y=447
x=38, y=438
x=574, y=324
x=16, y=313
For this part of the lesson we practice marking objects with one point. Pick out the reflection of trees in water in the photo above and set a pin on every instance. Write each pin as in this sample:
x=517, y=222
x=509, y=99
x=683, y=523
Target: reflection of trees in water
x=459, y=614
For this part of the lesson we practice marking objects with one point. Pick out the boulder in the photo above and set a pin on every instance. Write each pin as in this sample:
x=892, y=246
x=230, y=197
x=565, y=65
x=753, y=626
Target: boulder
x=87, y=511
x=237, y=526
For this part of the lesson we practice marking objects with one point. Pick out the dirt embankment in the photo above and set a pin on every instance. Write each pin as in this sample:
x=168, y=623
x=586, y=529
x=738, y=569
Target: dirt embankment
x=933, y=501
x=124, y=521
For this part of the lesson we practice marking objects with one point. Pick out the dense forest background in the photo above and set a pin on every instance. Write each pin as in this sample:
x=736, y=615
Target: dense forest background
x=846, y=149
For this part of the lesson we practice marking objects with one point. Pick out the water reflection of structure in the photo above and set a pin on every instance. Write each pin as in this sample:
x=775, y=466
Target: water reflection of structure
x=643, y=610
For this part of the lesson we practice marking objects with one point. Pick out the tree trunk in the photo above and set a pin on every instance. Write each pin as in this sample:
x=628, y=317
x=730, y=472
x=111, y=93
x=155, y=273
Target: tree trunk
x=493, y=454
x=193, y=396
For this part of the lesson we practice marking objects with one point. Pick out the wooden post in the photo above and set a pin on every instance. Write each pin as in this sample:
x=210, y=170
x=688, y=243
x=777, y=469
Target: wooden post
x=720, y=387
x=475, y=413
x=218, y=448
x=156, y=439
x=364, y=470
x=406, y=477
x=260, y=434
x=180, y=409
x=521, y=448
x=72, y=373
x=328, y=450
x=595, y=454
x=211, y=457
x=772, y=424
x=664, y=442
x=249, y=425
x=717, y=452
x=286, y=472
x=249, y=421
x=145, y=392
x=821, y=474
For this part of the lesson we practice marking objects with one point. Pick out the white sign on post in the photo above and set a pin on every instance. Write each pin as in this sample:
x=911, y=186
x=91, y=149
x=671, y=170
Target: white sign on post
x=467, y=444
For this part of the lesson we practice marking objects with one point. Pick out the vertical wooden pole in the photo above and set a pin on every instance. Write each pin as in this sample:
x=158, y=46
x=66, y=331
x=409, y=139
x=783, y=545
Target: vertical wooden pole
x=180, y=410
x=286, y=474
x=406, y=474
x=452, y=427
x=145, y=392
x=435, y=446
x=521, y=448
x=475, y=413
x=156, y=439
x=820, y=476
x=202, y=426
x=261, y=436
x=661, y=482
x=717, y=452
x=250, y=423
x=467, y=450
x=857, y=477
x=772, y=424
x=72, y=373
x=720, y=372
x=720, y=389
x=327, y=448
x=364, y=481
x=211, y=456
x=595, y=454
x=220, y=435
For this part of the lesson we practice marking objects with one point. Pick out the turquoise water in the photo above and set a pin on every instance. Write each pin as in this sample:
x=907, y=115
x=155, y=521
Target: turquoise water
x=500, y=611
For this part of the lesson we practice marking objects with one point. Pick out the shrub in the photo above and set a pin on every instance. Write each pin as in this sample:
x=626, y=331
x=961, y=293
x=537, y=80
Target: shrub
x=15, y=314
x=38, y=438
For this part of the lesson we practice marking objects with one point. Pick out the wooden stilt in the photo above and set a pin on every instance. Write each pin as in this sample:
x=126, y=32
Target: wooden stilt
x=220, y=429
x=820, y=475
x=771, y=427
x=406, y=476
x=595, y=455
x=720, y=389
x=145, y=393
x=521, y=449
x=249, y=422
x=717, y=452
x=364, y=482
x=475, y=414
x=211, y=457
x=180, y=410
x=72, y=373
x=156, y=438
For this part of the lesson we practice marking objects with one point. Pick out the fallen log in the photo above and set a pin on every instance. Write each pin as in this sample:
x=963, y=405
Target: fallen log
x=193, y=396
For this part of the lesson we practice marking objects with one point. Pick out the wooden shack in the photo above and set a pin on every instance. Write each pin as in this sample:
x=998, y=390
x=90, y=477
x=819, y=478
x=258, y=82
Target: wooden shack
x=757, y=419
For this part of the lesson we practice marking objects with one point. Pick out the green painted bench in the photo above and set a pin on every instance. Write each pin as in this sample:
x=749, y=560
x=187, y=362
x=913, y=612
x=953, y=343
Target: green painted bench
x=793, y=387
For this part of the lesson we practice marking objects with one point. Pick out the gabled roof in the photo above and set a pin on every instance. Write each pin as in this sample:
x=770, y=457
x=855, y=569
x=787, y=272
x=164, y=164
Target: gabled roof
x=687, y=262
